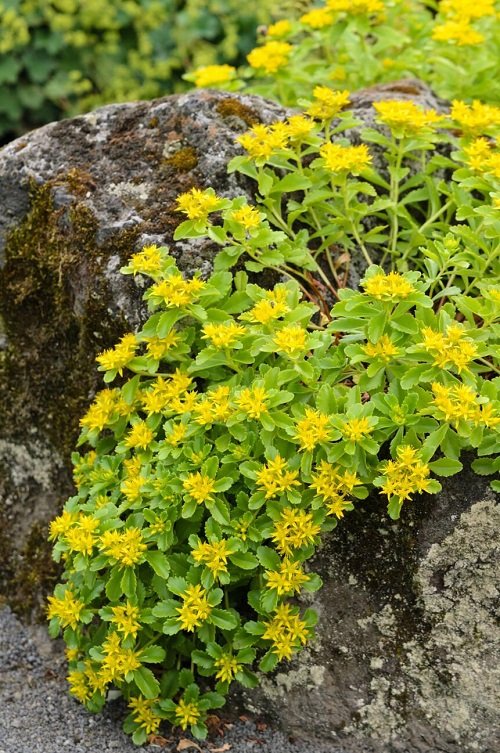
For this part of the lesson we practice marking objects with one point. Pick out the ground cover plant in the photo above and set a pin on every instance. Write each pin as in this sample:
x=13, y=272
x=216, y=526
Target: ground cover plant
x=242, y=423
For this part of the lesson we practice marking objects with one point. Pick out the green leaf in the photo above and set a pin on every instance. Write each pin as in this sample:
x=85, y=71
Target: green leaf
x=376, y=326
x=446, y=467
x=153, y=655
x=146, y=682
x=291, y=182
x=159, y=563
x=268, y=662
x=223, y=619
x=129, y=582
x=268, y=557
x=219, y=511
x=245, y=560
x=394, y=508
x=167, y=321
x=113, y=586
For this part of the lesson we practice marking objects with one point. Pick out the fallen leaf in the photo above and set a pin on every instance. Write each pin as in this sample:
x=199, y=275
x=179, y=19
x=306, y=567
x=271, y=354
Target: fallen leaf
x=159, y=741
x=223, y=748
x=184, y=744
x=243, y=718
x=261, y=726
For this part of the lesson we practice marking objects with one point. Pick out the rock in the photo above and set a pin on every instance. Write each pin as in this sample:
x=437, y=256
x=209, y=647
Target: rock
x=407, y=650
x=405, y=654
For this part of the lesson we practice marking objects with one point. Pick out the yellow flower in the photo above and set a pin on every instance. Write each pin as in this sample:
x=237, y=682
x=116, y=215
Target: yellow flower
x=405, y=475
x=388, y=287
x=286, y=631
x=223, y=335
x=294, y=529
x=467, y=8
x=405, y=117
x=298, y=127
x=199, y=487
x=131, y=487
x=118, y=357
x=482, y=158
x=279, y=29
x=147, y=261
x=213, y=75
x=475, y=118
x=275, y=477
x=451, y=348
x=333, y=485
x=252, y=401
x=102, y=409
x=459, y=31
x=177, y=435
x=78, y=686
x=195, y=608
x=312, y=429
x=158, y=347
x=343, y=159
x=126, y=546
x=177, y=292
x=197, y=204
x=261, y=141
x=272, y=307
x=291, y=340
x=355, y=429
x=271, y=56
x=143, y=714
x=227, y=667
x=67, y=609
x=118, y=661
x=214, y=556
x=186, y=714
x=140, y=435
x=356, y=7
x=247, y=216
x=61, y=525
x=125, y=617
x=384, y=349
x=327, y=103
x=81, y=538
x=317, y=18
x=288, y=579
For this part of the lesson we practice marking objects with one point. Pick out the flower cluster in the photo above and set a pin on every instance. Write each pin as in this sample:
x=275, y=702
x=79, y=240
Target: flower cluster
x=388, y=287
x=67, y=609
x=276, y=478
x=195, y=608
x=406, y=475
x=213, y=75
x=327, y=103
x=449, y=348
x=405, y=117
x=294, y=529
x=345, y=159
x=118, y=357
x=286, y=631
x=271, y=56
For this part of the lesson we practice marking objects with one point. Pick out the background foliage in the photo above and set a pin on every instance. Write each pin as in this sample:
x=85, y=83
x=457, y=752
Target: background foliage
x=61, y=57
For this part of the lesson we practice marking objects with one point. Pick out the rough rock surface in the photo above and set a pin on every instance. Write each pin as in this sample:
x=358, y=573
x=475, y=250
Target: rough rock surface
x=406, y=658
x=405, y=655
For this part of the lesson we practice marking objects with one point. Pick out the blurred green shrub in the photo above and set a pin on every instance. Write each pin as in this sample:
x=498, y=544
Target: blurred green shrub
x=61, y=57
